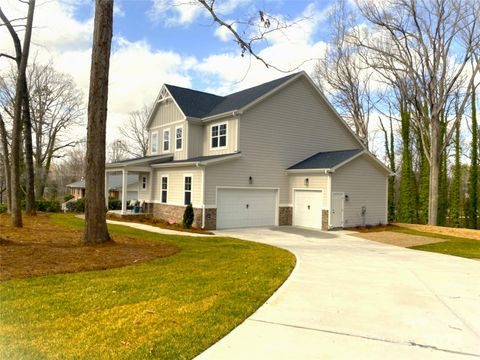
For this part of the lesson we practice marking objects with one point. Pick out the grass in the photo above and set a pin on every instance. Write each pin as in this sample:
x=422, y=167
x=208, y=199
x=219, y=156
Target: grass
x=453, y=245
x=173, y=307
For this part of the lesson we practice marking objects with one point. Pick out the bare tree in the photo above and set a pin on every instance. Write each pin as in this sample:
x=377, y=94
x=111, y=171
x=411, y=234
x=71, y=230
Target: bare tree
x=56, y=106
x=95, y=219
x=117, y=151
x=431, y=45
x=5, y=161
x=135, y=132
x=343, y=78
x=21, y=57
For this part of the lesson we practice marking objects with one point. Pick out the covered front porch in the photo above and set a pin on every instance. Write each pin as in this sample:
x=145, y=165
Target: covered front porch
x=132, y=184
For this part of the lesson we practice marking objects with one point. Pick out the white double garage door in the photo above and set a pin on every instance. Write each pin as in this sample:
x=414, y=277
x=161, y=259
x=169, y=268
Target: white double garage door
x=240, y=207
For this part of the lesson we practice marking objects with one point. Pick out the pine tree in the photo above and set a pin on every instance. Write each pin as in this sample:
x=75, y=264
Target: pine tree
x=407, y=201
x=455, y=187
x=473, y=179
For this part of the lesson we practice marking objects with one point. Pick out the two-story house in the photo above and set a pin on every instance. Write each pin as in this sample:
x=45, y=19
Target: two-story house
x=274, y=154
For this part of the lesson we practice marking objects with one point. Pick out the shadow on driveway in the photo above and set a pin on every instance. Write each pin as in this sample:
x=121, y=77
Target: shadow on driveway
x=308, y=233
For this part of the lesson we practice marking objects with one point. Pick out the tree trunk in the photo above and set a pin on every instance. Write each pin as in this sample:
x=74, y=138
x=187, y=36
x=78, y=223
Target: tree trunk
x=6, y=162
x=27, y=131
x=95, y=221
x=473, y=177
x=455, y=189
x=434, y=173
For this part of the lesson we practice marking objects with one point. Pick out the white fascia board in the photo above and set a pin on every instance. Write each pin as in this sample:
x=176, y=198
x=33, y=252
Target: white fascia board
x=309, y=171
x=371, y=156
x=158, y=101
x=198, y=163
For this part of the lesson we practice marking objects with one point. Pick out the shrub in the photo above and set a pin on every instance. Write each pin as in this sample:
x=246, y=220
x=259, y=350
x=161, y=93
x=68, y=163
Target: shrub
x=188, y=217
x=46, y=205
x=68, y=197
x=114, y=204
x=3, y=208
x=76, y=206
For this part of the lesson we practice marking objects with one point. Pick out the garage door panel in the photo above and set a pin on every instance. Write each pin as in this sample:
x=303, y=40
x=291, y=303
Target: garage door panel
x=246, y=207
x=307, y=209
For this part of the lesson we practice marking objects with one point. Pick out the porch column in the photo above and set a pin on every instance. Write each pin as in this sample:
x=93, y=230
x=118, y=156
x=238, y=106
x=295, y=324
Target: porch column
x=124, y=190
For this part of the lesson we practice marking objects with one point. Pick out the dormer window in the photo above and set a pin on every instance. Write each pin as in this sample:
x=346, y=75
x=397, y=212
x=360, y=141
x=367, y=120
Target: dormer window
x=166, y=140
x=219, y=136
x=154, y=139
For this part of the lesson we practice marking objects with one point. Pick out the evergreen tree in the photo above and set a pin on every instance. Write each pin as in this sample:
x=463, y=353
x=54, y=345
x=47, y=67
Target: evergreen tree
x=443, y=180
x=390, y=152
x=407, y=200
x=455, y=187
x=473, y=180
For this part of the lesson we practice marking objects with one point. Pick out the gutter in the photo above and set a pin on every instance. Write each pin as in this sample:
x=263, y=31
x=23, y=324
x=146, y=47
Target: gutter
x=222, y=115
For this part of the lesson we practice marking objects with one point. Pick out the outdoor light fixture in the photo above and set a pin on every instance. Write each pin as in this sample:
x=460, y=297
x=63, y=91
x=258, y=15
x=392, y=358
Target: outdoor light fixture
x=250, y=180
x=306, y=182
x=346, y=197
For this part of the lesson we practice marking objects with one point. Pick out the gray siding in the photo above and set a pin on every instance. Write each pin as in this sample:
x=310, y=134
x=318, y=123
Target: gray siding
x=315, y=181
x=176, y=185
x=231, y=137
x=284, y=129
x=195, y=140
x=167, y=112
x=366, y=185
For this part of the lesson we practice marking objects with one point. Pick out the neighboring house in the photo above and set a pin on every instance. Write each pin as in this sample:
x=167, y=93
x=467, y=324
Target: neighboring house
x=77, y=189
x=274, y=154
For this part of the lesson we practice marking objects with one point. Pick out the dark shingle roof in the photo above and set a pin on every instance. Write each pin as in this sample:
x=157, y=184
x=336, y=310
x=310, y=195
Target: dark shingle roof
x=201, y=158
x=325, y=160
x=201, y=104
x=114, y=181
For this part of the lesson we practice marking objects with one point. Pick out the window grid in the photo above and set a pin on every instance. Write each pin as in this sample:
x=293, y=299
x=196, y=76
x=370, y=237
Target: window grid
x=164, y=189
x=178, y=138
x=188, y=190
x=219, y=136
x=166, y=140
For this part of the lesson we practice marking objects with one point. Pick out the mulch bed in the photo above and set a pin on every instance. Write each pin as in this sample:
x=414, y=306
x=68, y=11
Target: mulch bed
x=44, y=248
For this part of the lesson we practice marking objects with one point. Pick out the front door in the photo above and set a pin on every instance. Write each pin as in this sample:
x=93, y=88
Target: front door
x=337, y=209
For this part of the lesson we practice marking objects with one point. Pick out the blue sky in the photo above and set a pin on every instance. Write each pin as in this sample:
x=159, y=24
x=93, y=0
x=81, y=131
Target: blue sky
x=156, y=43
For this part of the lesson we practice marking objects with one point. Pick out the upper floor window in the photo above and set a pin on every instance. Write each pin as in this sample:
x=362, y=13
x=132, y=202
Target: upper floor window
x=144, y=183
x=154, y=147
x=178, y=138
x=164, y=189
x=188, y=190
x=219, y=135
x=166, y=140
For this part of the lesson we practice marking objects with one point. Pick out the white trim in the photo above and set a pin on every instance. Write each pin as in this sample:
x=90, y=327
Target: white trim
x=329, y=192
x=163, y=140
x=161, y=188
x=227, y=157
x=151, y=143
x=302, y=171
x=293, y=204
x=151, y=185
x=158, y=100
x=167, y=124
x=285, y=205
x=386, y=202
x=191, y=188
x=182, y=138
x=226, y=136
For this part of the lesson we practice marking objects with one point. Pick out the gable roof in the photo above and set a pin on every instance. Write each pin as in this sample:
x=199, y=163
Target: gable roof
x=114, y=181
x=325, y=160
x=200, y=104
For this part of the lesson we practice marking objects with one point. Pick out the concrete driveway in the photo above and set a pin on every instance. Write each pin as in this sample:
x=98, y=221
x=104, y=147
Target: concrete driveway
x=350, y=298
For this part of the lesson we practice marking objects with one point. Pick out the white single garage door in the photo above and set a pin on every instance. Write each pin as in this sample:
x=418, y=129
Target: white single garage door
x=307, y=208
x=246, y=207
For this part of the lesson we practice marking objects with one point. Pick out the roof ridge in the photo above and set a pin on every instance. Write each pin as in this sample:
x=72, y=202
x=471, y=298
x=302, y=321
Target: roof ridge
x=198, y=91
x=265, y=83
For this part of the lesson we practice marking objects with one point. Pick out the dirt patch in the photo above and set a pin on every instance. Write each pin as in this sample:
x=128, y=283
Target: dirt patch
x=458, y=232
x=395, y=238
x=158, y=223
x=43, y=248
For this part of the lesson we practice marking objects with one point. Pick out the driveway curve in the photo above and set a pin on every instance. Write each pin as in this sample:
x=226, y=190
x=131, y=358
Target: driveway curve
x=350, y=298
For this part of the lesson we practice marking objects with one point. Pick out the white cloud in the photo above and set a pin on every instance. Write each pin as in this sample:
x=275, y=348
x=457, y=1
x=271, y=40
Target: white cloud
x=175, y=12
x=223, y=33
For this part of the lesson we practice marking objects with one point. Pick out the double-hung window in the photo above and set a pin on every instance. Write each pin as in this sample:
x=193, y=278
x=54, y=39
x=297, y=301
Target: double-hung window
x=219, y=135
x=154, y=146
x=144, y=183
x=164, y=189
x=178, y=138
x=166, y=140
x=188, y=190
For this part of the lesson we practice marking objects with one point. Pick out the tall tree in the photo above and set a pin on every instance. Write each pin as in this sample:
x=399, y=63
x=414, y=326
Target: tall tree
x=135, y=132
x=473, y=179
x=431, y=44
x=20, y=89
x=342, y=76
x=407, y=201
x=390, y=153
x=5, y=161
x=455, y=203
x=95, y=218
x=443, y=180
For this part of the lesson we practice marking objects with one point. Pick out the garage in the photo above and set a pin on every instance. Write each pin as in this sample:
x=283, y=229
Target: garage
x=307, y=208
x=238, y=207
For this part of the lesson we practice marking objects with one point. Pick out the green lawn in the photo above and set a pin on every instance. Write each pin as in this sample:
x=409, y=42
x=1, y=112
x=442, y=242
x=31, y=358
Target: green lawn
x=456, y=246
x=172, y=308
x=467, y=248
